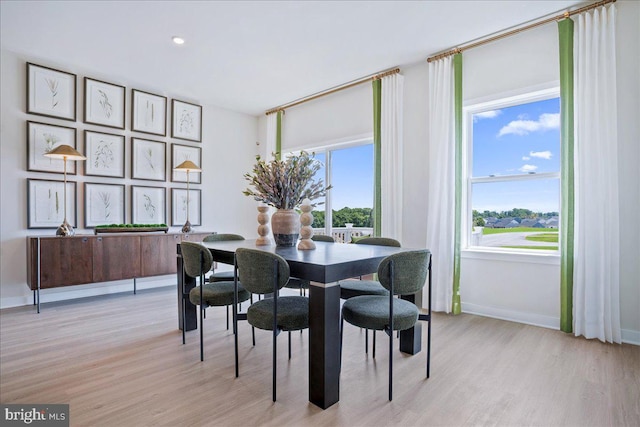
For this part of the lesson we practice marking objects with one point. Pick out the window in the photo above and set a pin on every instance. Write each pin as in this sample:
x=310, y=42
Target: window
x=513, y=173
x=348, y=208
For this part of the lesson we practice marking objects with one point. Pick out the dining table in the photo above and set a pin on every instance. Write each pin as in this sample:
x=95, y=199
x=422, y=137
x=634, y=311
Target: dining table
x=323, y=266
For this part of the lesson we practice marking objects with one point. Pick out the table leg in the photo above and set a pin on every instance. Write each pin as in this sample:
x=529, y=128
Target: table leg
x=411, y=339
x=324, y=344
x=191, y=318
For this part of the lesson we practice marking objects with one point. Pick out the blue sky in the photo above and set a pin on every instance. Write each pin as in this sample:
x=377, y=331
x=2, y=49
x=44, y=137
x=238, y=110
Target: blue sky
x=352, y=178
x=517, y=140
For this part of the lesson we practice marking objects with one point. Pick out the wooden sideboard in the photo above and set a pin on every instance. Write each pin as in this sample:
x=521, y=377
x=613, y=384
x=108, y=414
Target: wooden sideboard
x=55, y=261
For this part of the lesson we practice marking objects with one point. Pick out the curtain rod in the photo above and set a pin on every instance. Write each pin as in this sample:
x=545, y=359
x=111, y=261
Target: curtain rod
x=335, y=89
x=518, y=30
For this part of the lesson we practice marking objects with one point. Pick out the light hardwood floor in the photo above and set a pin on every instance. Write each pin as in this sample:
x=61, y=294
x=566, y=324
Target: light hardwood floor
x=119, y=361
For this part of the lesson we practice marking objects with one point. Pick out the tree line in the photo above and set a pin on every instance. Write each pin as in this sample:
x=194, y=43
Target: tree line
x=359, y=217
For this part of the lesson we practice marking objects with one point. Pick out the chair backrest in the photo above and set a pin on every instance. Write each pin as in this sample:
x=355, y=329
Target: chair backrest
x=409, y=271
x=322, y=238
x=257, y=270
x=380, y=241
x=192, y=256
x=221, y=237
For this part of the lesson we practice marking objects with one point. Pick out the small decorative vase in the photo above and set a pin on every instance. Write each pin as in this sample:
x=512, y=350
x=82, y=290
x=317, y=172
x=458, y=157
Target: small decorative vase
x=263, y=228
x=285, y=224
x=306, y=232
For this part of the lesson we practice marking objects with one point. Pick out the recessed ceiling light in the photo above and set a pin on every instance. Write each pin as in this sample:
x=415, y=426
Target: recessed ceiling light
x=178, y=40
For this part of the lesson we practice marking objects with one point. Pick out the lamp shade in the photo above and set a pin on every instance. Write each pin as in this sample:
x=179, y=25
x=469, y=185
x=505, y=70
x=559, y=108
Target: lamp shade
x=187, y=166
x=65, y=151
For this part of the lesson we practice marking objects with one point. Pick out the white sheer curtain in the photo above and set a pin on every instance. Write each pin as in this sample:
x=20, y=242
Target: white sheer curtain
x=270, y=146
x=441, y=186
x=596, y=301
x=391, y=154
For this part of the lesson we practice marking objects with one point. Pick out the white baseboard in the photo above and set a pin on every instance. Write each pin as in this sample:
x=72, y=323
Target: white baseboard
x=629, y=336
x=83, y=291
x=512, y=315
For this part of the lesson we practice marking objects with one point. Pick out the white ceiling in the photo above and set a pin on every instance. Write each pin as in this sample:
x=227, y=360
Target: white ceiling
x=250, y=56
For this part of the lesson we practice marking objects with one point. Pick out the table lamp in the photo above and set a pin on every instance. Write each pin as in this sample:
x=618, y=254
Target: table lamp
x=65, y=152
x=187, y=166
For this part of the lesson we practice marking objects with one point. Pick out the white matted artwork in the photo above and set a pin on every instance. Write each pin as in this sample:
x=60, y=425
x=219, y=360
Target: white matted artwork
x=45, y=200
x=179, y=206
x=148, y=205
x=103, y=103
x=42, y=138
x=148, y=159
x=148, y=113
x=186, y=120
x=180, y=153
x=103, y=204
x=105, y=154
x=51, y=92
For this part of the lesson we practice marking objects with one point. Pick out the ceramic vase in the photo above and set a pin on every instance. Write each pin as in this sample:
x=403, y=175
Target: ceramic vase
x=285, y=224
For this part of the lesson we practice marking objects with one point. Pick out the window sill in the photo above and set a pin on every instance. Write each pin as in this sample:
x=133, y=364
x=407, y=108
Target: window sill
x=543, y=257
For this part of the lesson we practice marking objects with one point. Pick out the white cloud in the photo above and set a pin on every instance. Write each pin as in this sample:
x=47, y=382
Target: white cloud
x=486, y=115
x=540, y=154
x=528, y=168
x=525, y=158
x=524, y=127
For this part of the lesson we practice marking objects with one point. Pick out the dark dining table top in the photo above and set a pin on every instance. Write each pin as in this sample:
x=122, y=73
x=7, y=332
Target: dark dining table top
x=328, y=263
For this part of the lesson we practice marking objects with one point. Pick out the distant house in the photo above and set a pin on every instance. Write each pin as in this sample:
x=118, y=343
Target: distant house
x=552, y=222
x=506, y=223
x=532, y=223
x=490, y=222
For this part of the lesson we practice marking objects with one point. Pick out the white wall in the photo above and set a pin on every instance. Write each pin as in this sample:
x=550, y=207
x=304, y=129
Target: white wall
x=228, y=150
x=524, y=289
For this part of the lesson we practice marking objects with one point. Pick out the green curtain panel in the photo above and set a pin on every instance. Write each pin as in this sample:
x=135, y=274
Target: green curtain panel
x=457, y=73
x=377, y=158
x=565, y=32
x=279, y=135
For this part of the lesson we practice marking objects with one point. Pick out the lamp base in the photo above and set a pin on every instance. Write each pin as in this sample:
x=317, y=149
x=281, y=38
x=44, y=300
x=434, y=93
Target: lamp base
x=65, y=229
x=186, y=228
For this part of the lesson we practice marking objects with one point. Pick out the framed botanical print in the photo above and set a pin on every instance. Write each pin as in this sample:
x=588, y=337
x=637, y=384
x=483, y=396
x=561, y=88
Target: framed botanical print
x=45, y=203
x=42, y=138
x=51, y=92
x=103, y=103
x=148, y=113
x=148, y=159
x=148, y=205
x=103, y=204
x=180, y=153
x=179, y=206
x=105, y=154
x=186, y=121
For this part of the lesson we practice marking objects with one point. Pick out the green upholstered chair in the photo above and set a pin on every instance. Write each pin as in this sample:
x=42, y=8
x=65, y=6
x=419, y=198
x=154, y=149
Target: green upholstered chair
x=404, y=273
x=222, y=276
x=266, y=273
x=197, y=261
x=355, y=288
x=294, y=282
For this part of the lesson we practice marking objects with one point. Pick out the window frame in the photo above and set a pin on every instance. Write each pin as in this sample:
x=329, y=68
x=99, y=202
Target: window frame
x=493, y=103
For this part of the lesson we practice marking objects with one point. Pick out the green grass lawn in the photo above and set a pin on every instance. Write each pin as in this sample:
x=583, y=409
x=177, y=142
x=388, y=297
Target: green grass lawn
x=544, y=237
x=487, y=231
x=543, y=248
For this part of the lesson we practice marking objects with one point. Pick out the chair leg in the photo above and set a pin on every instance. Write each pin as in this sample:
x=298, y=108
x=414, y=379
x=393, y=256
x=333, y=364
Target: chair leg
x=201, y=333
x=366, y=341
x=253, y=335
x=227, y=318
x=275, y=347
x=429, y=346
x=374, y=344
x=391, y=366
x=289, y=345
x=184, y=316
x=341, y=334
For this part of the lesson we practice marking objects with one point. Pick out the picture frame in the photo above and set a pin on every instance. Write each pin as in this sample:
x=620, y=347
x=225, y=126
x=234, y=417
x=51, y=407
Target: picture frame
x=148, y=113
x=180, y=153
x=179, y=206
x=51, y=92
x=42, y=138
x=105, y=154
x=104, y=103
x=186, y=120
x=148, y=205
x=148, y=159
x=45, y=203
x=103, y=204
